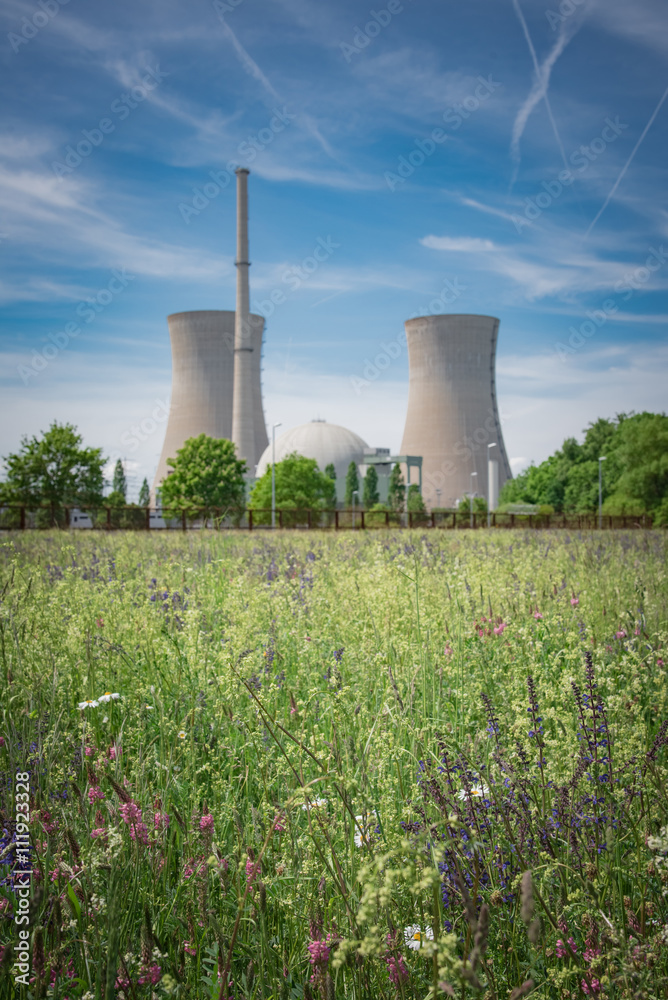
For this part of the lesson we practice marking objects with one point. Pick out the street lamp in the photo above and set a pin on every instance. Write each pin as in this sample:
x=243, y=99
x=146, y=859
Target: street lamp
x=492, y=483
x=273, y=474
x=600, y=491
x=472, y=495
x=355, y=494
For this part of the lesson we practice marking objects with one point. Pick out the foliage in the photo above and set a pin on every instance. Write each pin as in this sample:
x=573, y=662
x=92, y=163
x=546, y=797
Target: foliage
x=120, y=484
x=54, y=469
x=330, y=470
x=386, y=764
x=479, y=505
x=415, y=503
x=634, y=473
x=352, y=484
x=207, y=477
x=396, y=496
x=370, y=493
x=300, y=485
x=144, y=494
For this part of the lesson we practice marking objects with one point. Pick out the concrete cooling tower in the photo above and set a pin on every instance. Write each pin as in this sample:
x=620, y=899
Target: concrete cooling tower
x=452, y=414
x=203, y=381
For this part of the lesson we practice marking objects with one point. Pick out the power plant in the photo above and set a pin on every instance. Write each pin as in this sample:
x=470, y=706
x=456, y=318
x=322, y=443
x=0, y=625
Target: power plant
x=452, y=435
x=452, y=419
x=216, y=376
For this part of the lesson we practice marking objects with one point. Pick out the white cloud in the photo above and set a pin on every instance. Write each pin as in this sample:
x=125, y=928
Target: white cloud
x=459, y=244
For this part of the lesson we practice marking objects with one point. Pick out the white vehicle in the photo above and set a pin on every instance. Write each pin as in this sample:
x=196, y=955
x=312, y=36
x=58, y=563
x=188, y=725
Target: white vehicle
x=80, y=519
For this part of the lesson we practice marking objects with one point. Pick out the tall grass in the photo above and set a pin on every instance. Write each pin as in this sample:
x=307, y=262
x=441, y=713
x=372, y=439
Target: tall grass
x=354, y=766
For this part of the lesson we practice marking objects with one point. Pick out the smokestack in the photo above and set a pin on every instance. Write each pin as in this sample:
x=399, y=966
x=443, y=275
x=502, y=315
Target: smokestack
x=243, y=424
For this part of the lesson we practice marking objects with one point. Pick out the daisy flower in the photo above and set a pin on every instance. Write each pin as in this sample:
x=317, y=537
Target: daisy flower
x=314, y=804
x=476, y=792
x=363, y=830
x=108, y=696
x=181, y=734
x=415, y=937
x=83, y=705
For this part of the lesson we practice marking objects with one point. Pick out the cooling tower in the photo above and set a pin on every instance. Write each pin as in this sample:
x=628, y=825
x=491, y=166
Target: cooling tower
x=243, y=411
x=452, y=414
x=203, y=379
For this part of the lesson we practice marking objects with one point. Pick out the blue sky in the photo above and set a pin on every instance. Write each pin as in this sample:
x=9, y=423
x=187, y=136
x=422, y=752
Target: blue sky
x=540, y=199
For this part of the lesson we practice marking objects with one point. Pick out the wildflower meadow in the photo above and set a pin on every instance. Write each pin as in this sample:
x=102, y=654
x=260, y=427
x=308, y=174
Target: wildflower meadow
x=370, y=765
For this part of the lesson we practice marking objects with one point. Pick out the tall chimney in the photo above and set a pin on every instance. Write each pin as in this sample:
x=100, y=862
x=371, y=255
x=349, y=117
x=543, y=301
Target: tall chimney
x=243, y=424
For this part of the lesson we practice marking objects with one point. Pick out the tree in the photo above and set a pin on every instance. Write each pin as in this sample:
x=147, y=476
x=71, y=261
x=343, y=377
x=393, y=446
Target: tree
x=634, y=475
x=144, y=494
x=54, y=469
x=396, y=493
x=370, y=493
x=415, y=503
x=330, y=470
x=300, y=485
x=352, y=483
x=120, y=484
x=207, y=477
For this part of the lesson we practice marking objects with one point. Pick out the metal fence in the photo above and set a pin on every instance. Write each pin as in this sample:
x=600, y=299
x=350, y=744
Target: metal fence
x=134, y=518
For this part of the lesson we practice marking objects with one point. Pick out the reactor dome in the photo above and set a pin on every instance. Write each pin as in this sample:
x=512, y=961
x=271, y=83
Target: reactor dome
x=326, y=443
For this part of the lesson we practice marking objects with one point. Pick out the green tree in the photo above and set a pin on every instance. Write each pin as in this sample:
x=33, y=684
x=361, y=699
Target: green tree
x=370, y=490
x=396, y=494
x=144, y=494
x=414, y=502
x=120, y=484
x=207, y=477
x=352, y=483
x=330, y=470
x=300, y=486
x=54, y=469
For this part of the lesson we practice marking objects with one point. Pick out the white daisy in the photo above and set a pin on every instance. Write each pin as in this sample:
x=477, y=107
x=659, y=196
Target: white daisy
x=415, y=937
x=83, y=705
x=479, y=791
x=363, y=830
x=314, y=804
x=182, y=734
x=108, y=696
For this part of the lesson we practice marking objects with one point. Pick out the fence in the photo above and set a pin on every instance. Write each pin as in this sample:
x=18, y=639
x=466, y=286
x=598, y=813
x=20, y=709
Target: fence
x=134, y=518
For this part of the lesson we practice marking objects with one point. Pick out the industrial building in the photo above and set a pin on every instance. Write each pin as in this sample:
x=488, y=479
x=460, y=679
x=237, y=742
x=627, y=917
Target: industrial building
x=452, y=418
x=452, y=445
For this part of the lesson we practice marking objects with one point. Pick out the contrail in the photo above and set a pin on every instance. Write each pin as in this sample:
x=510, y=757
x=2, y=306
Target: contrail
x=540, y=87
x=627, y=164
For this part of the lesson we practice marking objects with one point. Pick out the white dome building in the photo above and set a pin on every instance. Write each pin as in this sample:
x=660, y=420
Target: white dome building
x=326, y=443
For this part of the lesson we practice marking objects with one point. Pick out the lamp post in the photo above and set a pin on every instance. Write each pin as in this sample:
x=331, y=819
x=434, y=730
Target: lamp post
x=600, y=491
x=472, y=494
x=355, y=494
x=491, y=485
x=273, y=474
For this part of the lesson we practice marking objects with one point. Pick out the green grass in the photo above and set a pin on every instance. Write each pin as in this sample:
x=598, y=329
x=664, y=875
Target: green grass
x=260, y=675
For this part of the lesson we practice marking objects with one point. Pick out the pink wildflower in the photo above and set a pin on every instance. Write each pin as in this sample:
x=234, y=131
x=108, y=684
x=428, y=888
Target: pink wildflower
x=2, y=741
x=89, y=751
x=279, y=826
x=396, y=967
x=160, y=820
x=621, y=634
x=206, y=823
x=114, y=752
x=99, y=831
x=591, y=953
x=150, y=974
x=189, y=948
x=498, y=630
x=575, y=601
x=319, y=951
x=594, y=988
x=449, y=650
x=131, y=814
x=95, y=793
x=562, y=950
x=252, y=869
x=538, y=616
x=659, y=663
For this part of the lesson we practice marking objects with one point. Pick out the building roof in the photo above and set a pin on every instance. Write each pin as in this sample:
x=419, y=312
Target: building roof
x=326, y=443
